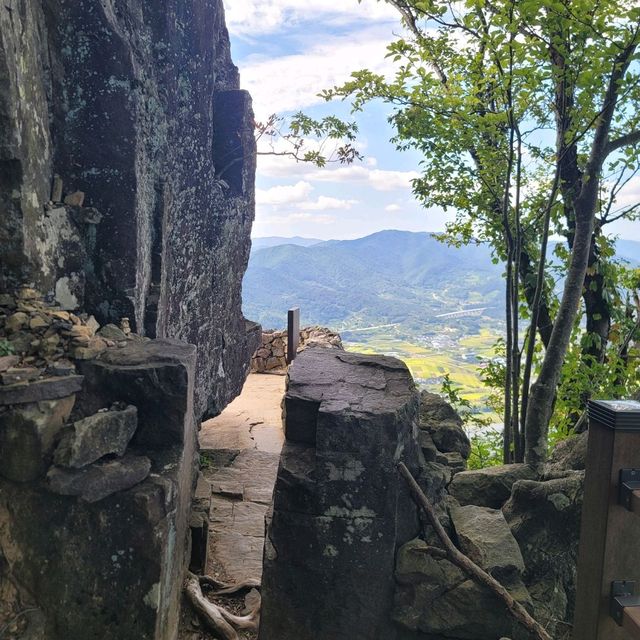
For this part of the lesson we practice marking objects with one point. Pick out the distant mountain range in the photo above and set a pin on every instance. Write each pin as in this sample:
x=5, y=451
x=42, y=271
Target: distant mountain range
x=274, y=241
x=390, y=277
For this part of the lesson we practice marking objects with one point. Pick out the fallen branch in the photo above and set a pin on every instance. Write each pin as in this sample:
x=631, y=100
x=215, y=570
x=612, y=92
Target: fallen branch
x=468, y=566
x=215, y=617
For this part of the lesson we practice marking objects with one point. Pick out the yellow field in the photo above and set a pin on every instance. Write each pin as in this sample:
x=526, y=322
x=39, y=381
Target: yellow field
x=428, y=365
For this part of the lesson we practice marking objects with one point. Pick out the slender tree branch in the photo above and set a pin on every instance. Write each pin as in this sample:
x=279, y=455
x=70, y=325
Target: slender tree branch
x=617, y=143
x=468, y=566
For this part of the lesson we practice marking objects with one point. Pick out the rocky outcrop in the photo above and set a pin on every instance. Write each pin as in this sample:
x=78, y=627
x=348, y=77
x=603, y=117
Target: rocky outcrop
x=544, y=517
x=435, y=600
x=272, y=353
x=96, y=493
x=489, y=487
x=441, y=427
x=127, y=162
x=340, y=508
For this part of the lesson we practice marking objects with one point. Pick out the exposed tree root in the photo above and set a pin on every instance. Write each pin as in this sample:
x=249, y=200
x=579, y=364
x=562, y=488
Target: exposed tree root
x=468, y=566
x=224, y=588
x=222, y=622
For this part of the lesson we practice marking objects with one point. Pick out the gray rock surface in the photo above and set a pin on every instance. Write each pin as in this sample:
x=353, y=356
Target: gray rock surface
x=489, y=487
x=544, y=517
x=436, y=600
x=485, y=537
x=89, y=439
x=122, y=526
x=444, y=425
x=340, y=507
x=99, y=480
x=149, y=375
x=569, y=454
x=28, y=434
x=45, y=389
x=137, y=107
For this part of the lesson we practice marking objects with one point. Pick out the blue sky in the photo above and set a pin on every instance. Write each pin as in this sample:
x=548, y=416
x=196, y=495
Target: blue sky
x=288, y=51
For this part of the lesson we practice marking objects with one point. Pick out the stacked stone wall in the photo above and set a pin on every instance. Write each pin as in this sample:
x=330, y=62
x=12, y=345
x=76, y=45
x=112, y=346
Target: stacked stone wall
x=272, y=353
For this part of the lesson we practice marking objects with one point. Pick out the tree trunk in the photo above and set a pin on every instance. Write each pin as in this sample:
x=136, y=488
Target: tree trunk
x=544, y=389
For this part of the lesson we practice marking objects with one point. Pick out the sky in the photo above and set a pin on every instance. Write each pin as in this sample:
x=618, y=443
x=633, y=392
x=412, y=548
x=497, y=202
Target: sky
x=287, y=52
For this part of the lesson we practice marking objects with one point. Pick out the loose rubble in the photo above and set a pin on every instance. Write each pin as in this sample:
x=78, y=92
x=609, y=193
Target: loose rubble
x=38, y=339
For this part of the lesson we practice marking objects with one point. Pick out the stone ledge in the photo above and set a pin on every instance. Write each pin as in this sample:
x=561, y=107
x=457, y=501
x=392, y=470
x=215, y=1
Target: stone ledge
x=46, y=389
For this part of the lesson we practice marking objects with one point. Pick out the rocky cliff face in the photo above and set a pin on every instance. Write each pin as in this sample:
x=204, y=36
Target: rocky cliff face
x=136, y=105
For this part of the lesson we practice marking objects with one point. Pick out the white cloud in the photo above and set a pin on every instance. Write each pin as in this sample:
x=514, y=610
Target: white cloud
x=629, y=195
x=284, y=194
x=292, y=82
x=250, y=18
x=378, y=179
x=392, y=208
x=297, y=217
x=326, y=203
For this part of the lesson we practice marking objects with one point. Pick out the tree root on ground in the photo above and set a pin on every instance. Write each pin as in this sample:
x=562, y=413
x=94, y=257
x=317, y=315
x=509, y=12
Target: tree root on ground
x=222, y=622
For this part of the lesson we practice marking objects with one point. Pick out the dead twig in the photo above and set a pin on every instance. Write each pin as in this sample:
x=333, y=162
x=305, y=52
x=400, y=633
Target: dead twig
x=468, y=566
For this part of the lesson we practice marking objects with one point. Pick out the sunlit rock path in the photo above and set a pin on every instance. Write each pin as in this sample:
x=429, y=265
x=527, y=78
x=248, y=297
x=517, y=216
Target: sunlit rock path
x=240, y=452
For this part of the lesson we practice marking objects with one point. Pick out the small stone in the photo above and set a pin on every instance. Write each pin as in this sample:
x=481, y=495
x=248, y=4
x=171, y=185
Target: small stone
x=93, y=349
x=38, y=322
x=60, y=315
x=17, y=321
x=21, y=341
x=6, y=362
x=7, y=301
x=125, y=326
x=79, y=330
x=93, y=324
x=75, y=199
x=91, y=438
x=13, y=375
x=112, y=332
x=26, y=293
x=61, y=368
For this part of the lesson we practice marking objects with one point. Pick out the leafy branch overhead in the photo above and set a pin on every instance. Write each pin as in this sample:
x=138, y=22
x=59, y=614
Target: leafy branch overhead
x=526, y=115
x=306, y=139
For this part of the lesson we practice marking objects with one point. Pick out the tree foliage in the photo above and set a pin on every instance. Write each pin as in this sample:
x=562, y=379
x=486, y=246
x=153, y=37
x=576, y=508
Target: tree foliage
x=526, y=115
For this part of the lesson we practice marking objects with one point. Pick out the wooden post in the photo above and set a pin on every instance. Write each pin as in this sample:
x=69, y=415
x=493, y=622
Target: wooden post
x=293, y=333
x=609, y=531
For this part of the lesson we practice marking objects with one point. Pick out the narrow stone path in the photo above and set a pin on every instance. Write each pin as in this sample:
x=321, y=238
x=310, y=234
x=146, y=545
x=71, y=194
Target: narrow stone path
x=240, y=449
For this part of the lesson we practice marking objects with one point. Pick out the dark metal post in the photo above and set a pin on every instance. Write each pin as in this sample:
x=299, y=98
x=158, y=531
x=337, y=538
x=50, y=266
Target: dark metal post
x=293, y=333
x=608, y=554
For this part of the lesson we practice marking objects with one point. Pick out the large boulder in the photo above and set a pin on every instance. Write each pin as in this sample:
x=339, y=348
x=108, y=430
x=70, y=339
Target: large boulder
x=435, y=600
x=442, y=422
x=489, y=487
x=485, y=537
x=111, y=537
x=569, y=454
x=340, y=507
x=544, y=517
